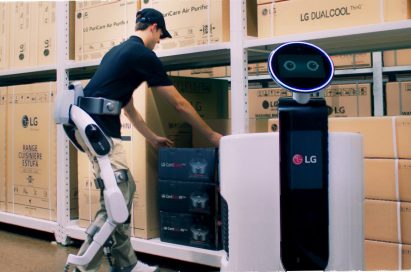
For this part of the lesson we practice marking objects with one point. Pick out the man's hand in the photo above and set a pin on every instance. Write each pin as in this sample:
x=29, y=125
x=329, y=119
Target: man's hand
x=158, y=142
x=215, y=138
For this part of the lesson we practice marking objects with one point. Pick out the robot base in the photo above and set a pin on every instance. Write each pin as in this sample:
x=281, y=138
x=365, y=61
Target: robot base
x=250, y=184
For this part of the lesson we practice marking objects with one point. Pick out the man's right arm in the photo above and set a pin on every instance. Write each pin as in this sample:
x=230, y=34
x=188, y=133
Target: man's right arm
x=187, y=112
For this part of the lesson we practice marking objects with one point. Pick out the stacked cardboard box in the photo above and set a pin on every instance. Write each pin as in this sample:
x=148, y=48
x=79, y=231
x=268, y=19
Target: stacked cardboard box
x=3, y=114
x=398, y=98
x=31, y=151
x=200, y=21
x=100, y=25
x=401, y=57
x=299, y=16
x=387, y=176
x=349, y=100
x=188, y=197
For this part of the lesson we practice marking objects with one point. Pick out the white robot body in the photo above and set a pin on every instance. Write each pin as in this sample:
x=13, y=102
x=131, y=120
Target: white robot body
x=250, y=184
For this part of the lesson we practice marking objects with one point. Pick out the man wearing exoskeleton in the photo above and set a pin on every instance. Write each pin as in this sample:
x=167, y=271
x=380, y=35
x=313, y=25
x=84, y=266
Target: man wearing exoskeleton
x=91, y=120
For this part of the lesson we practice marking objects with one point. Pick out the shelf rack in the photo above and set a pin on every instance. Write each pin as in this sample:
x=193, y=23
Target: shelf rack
x=237, y=53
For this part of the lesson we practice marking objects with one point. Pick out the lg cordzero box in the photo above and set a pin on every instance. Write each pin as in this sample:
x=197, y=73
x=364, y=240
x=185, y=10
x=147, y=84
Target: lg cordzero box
x=187, y=197
x=187, y=164
x=190, y=229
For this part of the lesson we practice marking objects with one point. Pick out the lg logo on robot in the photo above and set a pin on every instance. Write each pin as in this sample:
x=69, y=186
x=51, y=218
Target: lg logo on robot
x=300, y=159
x=29, y=121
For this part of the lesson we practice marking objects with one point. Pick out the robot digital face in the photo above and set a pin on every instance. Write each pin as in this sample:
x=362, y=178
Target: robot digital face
x=300, y=67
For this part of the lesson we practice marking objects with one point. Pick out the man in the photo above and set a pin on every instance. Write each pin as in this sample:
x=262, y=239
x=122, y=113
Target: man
x=121, y=71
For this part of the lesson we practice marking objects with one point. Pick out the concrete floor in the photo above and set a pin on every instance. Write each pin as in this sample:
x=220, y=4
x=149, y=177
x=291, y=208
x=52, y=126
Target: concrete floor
x=24, y=250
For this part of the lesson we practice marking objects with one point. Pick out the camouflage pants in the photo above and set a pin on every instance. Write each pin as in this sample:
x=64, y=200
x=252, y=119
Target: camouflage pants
x=122, y=250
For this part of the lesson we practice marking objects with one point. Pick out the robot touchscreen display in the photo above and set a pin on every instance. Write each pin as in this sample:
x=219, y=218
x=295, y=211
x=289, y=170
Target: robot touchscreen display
x=306, y=160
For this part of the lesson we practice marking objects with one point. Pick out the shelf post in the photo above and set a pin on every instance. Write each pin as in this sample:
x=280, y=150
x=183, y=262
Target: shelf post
x=63, y=154
x=239, y=67
x=377, y=84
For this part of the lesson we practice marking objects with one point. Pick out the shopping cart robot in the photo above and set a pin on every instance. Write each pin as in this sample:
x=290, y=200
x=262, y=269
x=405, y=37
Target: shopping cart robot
x=293, y=199
x=72, y=111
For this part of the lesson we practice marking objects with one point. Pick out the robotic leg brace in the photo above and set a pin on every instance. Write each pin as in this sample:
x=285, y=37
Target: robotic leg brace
x=69, y=113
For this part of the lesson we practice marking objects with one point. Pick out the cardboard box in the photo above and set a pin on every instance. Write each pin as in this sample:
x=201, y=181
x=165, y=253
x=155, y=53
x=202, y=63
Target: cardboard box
x=348, y=100
x=5, y=43
x=263, y=103
x=386, y=256
x=47, y=32
x=209, y=72
x=193, y=22
x=388, y=221
x=300, y=16
x=400, y=57
x=3, y=161
x=209, y=98
x=142, y=162
x=346, y=61
x=24, y=34
x=31, y=151
x=190, y=229
x=398, y=98
x=387, y=179
x=189, y=164
x=383, y=137
x=258, y=68
x=187, y=197
x=86, y=4
x=100, y=27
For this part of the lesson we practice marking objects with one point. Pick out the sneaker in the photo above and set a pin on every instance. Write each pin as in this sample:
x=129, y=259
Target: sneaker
x=142, y=267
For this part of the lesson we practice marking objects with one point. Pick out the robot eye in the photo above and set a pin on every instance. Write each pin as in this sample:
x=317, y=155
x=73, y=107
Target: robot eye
x=312, y=65
x=290, y=65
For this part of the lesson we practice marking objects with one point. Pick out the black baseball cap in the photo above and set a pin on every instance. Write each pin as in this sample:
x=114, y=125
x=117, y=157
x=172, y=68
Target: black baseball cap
x=150, y=15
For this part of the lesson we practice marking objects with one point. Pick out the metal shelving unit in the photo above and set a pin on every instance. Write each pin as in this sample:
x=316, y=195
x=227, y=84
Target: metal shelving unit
x=237, y=53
